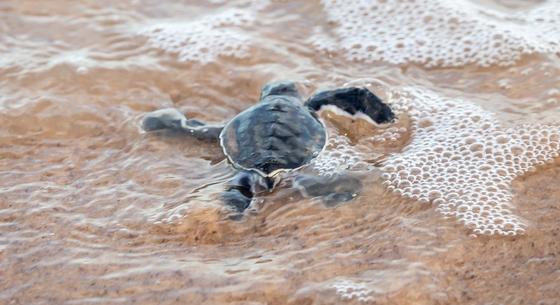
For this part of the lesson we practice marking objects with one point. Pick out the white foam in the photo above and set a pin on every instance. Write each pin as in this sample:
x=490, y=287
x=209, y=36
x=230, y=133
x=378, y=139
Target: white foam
x=204, y=39
x=338, y=156
x=463, y=161
x=374, y=286
x=342, y=154
x=438, y=32
x=348, y=290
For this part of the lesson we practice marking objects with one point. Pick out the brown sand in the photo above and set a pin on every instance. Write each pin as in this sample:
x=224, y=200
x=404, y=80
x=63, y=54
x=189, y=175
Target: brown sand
x=87, y=202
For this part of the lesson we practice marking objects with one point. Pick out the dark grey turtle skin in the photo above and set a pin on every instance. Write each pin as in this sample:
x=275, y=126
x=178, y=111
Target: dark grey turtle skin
x=279, y=134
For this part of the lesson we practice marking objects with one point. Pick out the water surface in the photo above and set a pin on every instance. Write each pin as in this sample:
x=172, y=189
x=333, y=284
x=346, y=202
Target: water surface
x=92, y=211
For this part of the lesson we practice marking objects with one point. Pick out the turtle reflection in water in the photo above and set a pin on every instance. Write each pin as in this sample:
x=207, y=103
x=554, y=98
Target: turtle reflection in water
x=279, y=134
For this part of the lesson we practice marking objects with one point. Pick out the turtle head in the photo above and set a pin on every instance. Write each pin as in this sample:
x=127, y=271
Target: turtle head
x=285, y=88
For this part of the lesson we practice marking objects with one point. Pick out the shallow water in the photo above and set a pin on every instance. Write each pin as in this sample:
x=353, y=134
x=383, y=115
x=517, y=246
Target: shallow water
x=93, y=211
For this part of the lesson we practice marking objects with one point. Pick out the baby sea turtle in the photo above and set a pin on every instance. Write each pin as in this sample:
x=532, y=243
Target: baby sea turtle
x=279, y=134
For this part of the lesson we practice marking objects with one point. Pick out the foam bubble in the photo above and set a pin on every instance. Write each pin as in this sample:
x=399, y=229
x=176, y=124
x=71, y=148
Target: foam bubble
x=339, y=156
x=465, y=162
x=348, y=289
x=355, y=144
x=204, y=39
x=439, y=33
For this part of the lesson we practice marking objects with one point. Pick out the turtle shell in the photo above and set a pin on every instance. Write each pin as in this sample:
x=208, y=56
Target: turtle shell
x=277, y=134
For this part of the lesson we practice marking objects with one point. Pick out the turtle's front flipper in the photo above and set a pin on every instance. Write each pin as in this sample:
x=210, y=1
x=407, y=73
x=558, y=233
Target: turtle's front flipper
x=241, y=190
x=353, y=101
x=332, y=190
x=172, y=119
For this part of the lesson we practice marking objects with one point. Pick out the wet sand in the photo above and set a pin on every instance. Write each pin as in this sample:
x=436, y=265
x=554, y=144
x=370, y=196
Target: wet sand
x=92, y=211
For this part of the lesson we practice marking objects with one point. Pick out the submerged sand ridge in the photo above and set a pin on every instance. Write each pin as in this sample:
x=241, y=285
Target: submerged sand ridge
x=94, y=212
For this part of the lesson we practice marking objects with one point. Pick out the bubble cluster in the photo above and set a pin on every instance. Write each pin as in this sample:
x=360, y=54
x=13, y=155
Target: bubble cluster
x=391, y=134
x=339, y=156
x=355, y=143
x=348, y=290
x=461, y=160
x=444, y=33
x=204, y=39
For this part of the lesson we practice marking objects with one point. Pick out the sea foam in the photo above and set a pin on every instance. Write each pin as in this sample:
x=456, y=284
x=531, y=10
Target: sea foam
x=444, y=33
x=461, y=160
x=204, y=39
x=458, y=157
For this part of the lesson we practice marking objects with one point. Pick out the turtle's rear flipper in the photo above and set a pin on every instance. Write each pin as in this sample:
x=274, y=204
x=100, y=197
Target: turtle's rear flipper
x=172, y=119
x=353, y=101
x=332, y=190
x=241, y=190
